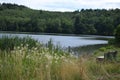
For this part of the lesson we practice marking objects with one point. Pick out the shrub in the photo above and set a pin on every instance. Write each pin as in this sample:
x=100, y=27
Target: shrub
x=111, y=41
x=8, y=43
x=117, y=34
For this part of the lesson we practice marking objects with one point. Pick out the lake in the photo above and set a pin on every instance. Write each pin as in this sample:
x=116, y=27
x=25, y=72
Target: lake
x=65, y=40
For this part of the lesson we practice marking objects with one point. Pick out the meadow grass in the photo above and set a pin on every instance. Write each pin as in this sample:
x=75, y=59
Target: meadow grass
x=9, y=42
x=46, y=63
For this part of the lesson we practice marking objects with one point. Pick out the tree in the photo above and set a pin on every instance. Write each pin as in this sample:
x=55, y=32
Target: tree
x=117, y=34
x=53, y=26
x=79, y=26
x=67, y=26
x=15, y=17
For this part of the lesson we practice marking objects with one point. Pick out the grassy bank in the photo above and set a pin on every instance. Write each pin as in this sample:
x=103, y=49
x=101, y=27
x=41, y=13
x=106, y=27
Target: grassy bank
x=88, y=50
x=48, y=63
x=9, y=42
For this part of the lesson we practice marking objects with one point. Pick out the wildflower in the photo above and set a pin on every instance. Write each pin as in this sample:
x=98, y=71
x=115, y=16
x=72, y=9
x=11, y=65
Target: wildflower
x=27, y=45
x=18, y=47
x=20, y=51
x=47, y=66
x=21, y=45
x=35, y=48
x=56, y=61
x=49, y=57
x=62, y=57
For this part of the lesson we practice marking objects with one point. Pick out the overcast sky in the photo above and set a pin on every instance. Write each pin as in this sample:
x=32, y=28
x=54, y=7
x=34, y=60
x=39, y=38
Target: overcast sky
x=66, y=5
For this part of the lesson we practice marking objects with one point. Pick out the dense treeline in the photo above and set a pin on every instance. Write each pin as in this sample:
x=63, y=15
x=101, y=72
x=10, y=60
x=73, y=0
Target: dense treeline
x=15, y=17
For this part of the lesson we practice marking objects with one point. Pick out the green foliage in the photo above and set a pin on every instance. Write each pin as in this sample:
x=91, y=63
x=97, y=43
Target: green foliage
x=102, y=49
x=87, y=50
x=117, y=34
x=79, y=27
x=38, y=63
x=15, y=17
x=9, y=43
x=112, y=41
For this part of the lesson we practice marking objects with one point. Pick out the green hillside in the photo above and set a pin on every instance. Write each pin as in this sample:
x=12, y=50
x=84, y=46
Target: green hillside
x=20, y=18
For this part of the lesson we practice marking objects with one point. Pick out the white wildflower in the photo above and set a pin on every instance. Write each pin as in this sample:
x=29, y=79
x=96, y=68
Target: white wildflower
x=47, y=66
x=18, y=47
x=35, y=48
x=49, y=57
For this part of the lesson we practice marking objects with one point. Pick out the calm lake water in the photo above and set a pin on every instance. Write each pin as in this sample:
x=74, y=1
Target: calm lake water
x=65, y=40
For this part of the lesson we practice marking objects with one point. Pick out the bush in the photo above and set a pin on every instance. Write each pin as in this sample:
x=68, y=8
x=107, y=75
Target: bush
x=111, y=41
x=117, y=34
x=8, y=43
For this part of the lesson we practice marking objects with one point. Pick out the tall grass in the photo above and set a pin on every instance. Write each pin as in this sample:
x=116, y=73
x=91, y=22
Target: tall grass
x=39, y=63
x=89, y=50
x=42, y=63
x=9, y=42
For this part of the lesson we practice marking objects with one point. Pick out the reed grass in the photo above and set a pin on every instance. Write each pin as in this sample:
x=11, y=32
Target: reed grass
x=9, y=42
x=43, y=63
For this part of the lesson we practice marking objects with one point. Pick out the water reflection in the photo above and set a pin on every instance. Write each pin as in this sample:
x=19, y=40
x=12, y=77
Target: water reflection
x=65, y=41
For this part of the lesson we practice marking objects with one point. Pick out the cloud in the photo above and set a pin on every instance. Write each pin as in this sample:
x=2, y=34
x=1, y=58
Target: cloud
x=66, y=5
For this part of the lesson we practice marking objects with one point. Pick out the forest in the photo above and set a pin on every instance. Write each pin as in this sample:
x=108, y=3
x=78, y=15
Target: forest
x=19, y=18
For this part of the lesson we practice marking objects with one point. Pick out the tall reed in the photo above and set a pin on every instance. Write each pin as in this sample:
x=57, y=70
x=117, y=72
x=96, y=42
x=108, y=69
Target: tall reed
x=42, y=63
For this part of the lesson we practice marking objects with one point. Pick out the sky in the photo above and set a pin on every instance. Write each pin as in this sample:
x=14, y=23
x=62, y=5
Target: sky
x=66, y=5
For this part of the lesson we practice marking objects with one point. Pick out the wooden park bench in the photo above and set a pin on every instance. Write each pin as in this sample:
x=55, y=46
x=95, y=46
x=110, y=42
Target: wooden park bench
x=109, y=56
x=100, y=59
